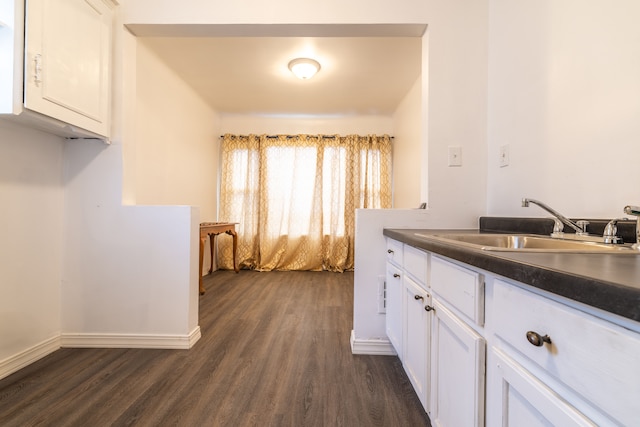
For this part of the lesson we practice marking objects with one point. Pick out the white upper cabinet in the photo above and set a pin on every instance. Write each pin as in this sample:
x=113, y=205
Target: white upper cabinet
x=68, y=52
x=67, y=65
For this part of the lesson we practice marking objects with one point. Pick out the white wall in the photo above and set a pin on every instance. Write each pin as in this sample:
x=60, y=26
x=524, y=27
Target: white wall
x=31, y=218
x=103, y=296
x=456, y=108
x=129, y=272
x=563, y=93
x=127, y=278
x=565, y=97
x=453, y=107
x=456, y=45
x=175, y=141
x=407, y=149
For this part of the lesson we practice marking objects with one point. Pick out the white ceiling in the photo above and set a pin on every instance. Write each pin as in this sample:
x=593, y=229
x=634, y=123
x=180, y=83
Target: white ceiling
x=249, y=75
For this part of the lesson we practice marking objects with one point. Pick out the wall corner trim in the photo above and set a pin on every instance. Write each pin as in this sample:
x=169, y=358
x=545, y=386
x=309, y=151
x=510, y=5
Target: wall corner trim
x=377, y=347
x=178, y=342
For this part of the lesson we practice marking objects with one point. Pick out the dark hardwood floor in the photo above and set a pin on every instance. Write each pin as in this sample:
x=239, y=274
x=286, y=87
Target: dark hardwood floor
x=274, y=352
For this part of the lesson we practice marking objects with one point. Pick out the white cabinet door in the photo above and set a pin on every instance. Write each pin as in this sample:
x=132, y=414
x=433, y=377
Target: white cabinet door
x=519, y=399
x=393, y=316
x=67, y=61
x=578, y=343
x=417, y=322
x=457, y=371
x=11, y=56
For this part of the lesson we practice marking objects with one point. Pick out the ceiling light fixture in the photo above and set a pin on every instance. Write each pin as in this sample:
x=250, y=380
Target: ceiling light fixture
x=304, y=68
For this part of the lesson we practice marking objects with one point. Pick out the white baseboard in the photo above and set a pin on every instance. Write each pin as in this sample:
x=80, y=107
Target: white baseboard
x=18, y=361
x=377, y=347
x=178, y=342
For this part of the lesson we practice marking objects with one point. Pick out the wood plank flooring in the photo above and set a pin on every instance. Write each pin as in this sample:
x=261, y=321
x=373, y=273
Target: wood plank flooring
x=274, y=352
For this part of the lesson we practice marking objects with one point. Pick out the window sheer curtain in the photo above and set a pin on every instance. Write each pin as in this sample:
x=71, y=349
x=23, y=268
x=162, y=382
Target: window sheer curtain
x=294, y=197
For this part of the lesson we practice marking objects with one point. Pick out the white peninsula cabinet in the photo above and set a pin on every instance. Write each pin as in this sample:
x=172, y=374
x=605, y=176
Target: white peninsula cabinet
x=416, y=322
x=407, y=321
x=61, y=78
x=394, y=292
x=495, y=352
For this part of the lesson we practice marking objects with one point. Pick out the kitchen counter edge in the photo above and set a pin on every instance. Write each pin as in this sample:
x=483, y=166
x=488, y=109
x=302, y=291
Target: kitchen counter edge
x=611, y=294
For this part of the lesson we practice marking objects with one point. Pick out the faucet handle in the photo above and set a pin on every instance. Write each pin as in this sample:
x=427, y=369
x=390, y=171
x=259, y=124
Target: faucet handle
x=583, y=225
x=611, y=231
x=558, y=228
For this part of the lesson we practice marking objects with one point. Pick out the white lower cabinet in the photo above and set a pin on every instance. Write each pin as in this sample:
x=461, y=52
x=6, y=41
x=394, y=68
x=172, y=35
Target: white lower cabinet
x=457, y=346
x=457, y=371
x=581, y=370
x=508, y=355
x=520, y=399
x=416, y=340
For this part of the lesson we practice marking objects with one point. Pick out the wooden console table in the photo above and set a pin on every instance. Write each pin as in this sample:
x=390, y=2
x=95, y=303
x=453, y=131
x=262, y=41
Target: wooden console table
x=212, y=229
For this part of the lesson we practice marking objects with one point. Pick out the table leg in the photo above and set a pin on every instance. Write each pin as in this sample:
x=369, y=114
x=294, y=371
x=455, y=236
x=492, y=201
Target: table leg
x=212, y=238
x=235, y=248
x=202, y=240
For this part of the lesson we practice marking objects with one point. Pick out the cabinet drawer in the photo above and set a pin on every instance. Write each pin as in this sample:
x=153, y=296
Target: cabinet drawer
x=461, y=287
x=596, y=359
x=415, y=263
x=394, y=251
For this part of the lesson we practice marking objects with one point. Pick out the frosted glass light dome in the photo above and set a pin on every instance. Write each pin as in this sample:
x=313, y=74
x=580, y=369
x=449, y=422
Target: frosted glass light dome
x=304, y=68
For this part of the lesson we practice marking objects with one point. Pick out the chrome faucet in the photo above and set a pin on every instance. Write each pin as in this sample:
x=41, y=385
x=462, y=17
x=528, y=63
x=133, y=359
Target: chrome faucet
x=635, y=211
x=580, y=228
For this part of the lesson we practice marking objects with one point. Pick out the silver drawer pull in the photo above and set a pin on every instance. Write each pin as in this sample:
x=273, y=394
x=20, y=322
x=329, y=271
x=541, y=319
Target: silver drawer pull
x=536, y=339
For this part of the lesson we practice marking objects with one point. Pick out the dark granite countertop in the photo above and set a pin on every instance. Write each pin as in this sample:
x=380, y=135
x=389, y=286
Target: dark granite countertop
x=610, y=282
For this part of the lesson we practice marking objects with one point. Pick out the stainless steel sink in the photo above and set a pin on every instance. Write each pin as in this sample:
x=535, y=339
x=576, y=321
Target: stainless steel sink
x=527, y=243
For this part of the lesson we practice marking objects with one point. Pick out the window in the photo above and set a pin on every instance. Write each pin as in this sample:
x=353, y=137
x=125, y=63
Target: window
x=295, y=197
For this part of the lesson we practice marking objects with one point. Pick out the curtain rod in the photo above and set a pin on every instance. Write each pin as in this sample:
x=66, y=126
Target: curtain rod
x=295, y=136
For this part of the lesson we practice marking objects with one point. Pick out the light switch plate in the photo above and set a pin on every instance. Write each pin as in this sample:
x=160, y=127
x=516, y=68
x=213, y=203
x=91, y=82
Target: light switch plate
x=455, y=156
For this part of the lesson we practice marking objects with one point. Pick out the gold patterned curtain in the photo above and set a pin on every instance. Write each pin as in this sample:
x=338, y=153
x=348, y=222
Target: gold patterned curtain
x=294, y=197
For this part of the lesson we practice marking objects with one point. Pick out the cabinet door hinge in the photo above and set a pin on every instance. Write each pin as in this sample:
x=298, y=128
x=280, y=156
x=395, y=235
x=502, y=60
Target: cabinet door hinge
x=38, y=69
